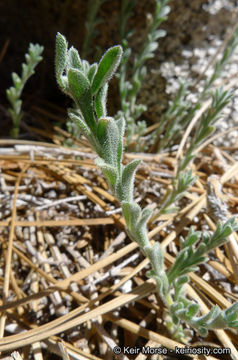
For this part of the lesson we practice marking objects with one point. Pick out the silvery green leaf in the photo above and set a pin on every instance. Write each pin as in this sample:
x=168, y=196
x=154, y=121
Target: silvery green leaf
x=145, y=215
x=220, y=235
x=155, y=254
x=16, y=116
x=192, y=310
x=35, y=51
x=80, y=89
x=185, y=161
x=101, y=102
x=92, y=71
x=185, y=180
x=85, y=66
x=151, y=48
x=164, y=11
x=121, y=129
x=28, y=58
x=11, y=94
x=175, y=319
x=181, y=280
x=60, y=56
x=107, y=67
x=232, y=311
x=102, y=129
x=158, y=34
x=179, y=286
x=17, y=81
x=193, y=237
x=201, y=250
x=176, y=307
x=209, y=318
x=78, y=84
x=216, y=319
x=108, y=170
x=121, y=124
x=227, y=231
x=74, y=60
x=108, y=137
x=127, y=180
x=26, y=72
x=203, y=133
x=131, y=212
x=81, y=124
x=162, y=284
x=17, y=106
x=233, y=223
x=175, y=269
x=191, y=268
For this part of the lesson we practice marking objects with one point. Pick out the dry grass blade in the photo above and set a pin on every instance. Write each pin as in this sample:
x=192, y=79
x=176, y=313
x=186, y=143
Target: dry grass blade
x=66, y=322
x=63, y=350
x=108, y=340
x=9, y=250
x=52, y=223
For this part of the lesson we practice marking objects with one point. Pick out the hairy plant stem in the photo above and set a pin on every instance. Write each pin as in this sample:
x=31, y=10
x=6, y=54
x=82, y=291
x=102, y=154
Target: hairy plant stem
x=87, y=85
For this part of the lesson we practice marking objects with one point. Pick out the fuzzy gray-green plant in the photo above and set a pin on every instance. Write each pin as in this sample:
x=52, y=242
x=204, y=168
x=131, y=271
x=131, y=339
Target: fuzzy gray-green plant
x=87, y=85
x=184, y=178
x=33, y=57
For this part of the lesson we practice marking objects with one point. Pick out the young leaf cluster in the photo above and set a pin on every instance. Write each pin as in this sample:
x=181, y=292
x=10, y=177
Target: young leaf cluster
x=33, y=57
x=180, y=185
x=87, y=85
x=206, y=124
x=220, y=64
x=186, y=311
x=193, y=252
x=191, y=255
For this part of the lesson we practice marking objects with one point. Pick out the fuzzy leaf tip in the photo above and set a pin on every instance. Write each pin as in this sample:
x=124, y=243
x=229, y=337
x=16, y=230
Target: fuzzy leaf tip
x=107, y=67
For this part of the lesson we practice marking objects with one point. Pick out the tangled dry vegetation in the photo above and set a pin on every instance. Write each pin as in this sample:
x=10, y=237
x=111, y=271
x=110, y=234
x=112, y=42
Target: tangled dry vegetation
x=73, y=284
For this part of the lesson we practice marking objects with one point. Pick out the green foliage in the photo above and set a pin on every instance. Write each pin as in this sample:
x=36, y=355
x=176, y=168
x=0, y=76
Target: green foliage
x=180, y=185
x=206, y=125
x=220, y=64
x=93, y=20
x=33, y=57
x=190, y=256
x=155, y=255
x=106, y=68
x=130, y=87
x=105, y=134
